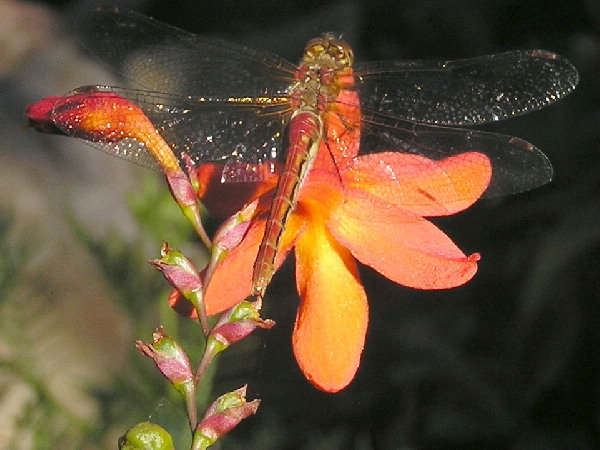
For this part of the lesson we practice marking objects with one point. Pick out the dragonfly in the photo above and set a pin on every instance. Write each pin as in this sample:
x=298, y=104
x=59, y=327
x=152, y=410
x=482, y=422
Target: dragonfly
x=221, y=102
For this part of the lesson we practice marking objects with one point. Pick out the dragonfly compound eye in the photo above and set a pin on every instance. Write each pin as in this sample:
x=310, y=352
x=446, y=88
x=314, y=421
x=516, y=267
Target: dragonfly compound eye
x=330, y=48
x=342, y=52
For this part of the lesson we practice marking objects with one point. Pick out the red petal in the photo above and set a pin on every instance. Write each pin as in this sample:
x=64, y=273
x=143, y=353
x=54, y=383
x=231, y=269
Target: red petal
x=400, y=245
x=224, y=199
x=421, y=185
x=332, y=321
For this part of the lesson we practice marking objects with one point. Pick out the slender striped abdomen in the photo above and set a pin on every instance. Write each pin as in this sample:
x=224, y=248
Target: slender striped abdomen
x=306, y=130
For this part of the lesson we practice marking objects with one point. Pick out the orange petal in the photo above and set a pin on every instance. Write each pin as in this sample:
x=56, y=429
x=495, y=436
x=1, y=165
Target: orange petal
x=400, y=245
x=422, y=185
x=332, y=321
x=231, y=282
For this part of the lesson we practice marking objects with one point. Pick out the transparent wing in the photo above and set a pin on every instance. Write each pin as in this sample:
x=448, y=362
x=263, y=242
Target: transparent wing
x=211, y=130
x=468, y=91
x=223, y=102
x=517, y=165
x=161, y=58
x=215, y=129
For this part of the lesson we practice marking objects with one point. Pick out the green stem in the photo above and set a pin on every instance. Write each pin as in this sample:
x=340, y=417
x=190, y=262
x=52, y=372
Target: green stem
x=192, y=409
x=207, y=358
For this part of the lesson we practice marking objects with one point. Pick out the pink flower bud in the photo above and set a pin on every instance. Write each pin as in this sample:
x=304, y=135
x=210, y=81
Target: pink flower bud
x=232, y=231
x=170, y=359
x=181, y=188
x=237, y=323
x=229, y=235
x=178, y=271
x=223, y=415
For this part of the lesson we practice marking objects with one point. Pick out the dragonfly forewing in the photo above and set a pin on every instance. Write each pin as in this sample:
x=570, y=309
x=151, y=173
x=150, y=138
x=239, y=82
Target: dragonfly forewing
x=468, y=91
x=219, y=130
x=162, y=58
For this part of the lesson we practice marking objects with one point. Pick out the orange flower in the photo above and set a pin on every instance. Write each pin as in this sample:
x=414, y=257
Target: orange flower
x=368, y=208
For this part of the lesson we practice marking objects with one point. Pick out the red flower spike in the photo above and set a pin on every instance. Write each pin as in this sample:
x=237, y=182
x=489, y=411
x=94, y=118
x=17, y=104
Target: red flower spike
x=222, y=416
x=171, y=360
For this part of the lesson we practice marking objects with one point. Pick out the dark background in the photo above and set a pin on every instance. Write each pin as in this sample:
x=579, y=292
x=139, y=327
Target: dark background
x=511, y=360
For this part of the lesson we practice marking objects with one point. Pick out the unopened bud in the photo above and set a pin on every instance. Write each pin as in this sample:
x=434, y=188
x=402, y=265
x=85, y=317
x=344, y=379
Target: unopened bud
x=146, y=436
x=235, y=324
x=170, y=359
x=222, y=416
x=178, y=270
x=100, y=114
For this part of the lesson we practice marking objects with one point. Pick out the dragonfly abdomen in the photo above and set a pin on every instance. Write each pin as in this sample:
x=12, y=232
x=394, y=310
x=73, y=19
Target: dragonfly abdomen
x=306, y=131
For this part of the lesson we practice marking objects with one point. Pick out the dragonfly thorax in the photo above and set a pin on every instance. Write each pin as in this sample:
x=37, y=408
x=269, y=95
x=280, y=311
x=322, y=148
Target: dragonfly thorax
x=325, y=69
x=328, y=52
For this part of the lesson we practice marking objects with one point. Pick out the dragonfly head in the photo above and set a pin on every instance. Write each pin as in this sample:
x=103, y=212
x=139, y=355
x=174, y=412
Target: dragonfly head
x=329, y=51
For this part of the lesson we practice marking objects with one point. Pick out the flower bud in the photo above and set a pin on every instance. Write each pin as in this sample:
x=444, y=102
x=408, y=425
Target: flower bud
x=222, y=416
x=232, y=231
x=170, y=359
x=229, y=235
x=146, y=436
x=235, y=324
x=184, y=194
x=100, y=114
x=39, y=115
x=178, y=271
x=181, y=188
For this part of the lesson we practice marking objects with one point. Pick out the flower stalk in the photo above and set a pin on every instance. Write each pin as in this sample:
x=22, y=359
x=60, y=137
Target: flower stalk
x=109, y=120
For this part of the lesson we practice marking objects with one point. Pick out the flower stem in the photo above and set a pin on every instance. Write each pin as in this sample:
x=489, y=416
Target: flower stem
x=207, y=358
x=192, y=410
x=197, y=299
